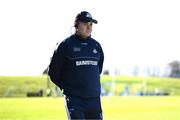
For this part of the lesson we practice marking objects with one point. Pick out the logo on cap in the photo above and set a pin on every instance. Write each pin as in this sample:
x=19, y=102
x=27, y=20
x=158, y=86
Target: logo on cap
x=88, y=15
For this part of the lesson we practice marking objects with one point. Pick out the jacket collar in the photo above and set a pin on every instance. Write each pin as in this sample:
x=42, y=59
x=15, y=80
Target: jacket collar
x=78, y=37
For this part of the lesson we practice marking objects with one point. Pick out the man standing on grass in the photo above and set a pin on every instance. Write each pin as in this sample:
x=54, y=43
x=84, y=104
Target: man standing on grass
x=75, y=68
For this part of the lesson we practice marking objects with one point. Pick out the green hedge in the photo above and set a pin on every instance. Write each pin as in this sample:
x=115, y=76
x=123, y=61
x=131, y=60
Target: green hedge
x=149, y=84
x=18, y=86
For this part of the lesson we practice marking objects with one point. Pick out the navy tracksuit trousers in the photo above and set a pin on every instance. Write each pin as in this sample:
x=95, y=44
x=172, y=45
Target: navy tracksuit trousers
x=83, y=108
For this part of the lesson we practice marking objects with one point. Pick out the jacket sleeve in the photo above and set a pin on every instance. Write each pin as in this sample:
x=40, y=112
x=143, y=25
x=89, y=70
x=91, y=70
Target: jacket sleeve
x=56, y=64
x=101, y=60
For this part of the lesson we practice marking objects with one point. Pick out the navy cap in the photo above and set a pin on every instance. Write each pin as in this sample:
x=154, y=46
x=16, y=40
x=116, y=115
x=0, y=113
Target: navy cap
x=85, y=16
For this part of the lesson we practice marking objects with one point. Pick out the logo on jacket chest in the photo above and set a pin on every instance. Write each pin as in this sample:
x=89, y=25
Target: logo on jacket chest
x=76, y=49
x=94, y=51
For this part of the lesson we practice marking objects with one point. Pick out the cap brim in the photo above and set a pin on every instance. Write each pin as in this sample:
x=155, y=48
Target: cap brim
x=94, y=21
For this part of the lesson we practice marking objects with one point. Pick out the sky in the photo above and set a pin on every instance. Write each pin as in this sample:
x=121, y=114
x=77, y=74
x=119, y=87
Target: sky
x=131, y=32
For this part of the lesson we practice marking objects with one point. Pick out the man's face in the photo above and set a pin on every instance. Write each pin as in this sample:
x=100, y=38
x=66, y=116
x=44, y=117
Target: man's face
x=84, y=29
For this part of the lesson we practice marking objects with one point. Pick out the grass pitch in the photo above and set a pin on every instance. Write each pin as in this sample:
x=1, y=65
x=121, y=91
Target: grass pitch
x=114, y=108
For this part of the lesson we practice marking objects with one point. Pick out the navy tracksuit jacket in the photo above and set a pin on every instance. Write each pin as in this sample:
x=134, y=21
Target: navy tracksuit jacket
x=76, y=66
